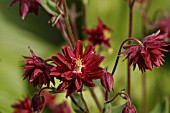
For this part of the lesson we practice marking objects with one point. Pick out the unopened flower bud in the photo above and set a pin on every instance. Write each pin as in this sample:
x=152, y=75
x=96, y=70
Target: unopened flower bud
x=38, y=103
x=129, y=109
x=107, y=81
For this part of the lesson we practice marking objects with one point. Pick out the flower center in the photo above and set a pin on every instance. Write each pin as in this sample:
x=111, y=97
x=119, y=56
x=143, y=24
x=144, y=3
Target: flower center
x=107, y=34
x=78, y=65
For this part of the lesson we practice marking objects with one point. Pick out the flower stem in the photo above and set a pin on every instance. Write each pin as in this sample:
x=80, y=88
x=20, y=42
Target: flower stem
x=144, y=98
x=85, y=15
x=77, y=105
x=106, y=99
x=68, y=26
x=65, y=35
x=95, y=98
x=119, y=52
x=44, y=89
x=131, y=4
x=125, y=96
x=84, y=102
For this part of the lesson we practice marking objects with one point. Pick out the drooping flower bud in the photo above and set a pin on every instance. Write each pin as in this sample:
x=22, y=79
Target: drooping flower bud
x=129, y=109
x=38, y=102
x=107, y=81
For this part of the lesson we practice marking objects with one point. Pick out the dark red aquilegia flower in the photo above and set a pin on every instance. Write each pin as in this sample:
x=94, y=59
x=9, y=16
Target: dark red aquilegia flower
x=23, y=106
x=149, y=55
x=99, y=35
x=37, y=70
x=76, y=68
x=27, y=6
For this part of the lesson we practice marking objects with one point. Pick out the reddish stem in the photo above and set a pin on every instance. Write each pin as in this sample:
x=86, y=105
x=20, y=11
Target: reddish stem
x=126, y=96
x=119, y=52
x=67, y=22
x=131, y=4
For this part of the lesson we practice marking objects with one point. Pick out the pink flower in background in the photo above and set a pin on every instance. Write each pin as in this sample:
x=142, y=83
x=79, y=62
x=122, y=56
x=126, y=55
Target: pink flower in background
x=49, y=98
x=148, y=56
x=61, y=108
x=37, y=70
x=163, y=25
x=23, y=106
x=76, y=68
x=99, y=35
x=27, y=6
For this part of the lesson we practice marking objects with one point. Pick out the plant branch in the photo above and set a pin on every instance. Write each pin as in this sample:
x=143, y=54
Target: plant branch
x=144, y=93
x=68, y=26
x=65, y=35
x=95, y=98
x=84, y=102
x=131, y=4
x=125, y=96
x=76, y=104
x=44, y=89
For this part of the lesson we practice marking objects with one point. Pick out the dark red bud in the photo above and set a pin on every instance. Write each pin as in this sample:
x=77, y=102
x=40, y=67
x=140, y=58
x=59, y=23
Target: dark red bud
x=107, y=81
x=38, y=103
x=129, y=109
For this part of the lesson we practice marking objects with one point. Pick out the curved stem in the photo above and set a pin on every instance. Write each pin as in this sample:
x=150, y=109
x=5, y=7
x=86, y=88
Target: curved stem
x=76, y=104
x=84, y=102
x=119, y=52
x=120, y=93
x=95, y=98
x=44, y=89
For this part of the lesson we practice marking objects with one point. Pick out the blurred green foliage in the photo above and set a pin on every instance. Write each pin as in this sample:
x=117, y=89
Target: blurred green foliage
x=16, y=35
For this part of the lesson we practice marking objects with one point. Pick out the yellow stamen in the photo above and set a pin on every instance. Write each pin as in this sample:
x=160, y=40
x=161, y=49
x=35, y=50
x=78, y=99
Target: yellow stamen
x=78, y=65
x=107, y=34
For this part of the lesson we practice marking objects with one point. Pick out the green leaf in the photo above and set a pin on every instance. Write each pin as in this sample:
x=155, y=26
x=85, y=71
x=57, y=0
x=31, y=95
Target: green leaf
x=49, y=6
x=79, y=101
x=113, y=109
x=161, y=107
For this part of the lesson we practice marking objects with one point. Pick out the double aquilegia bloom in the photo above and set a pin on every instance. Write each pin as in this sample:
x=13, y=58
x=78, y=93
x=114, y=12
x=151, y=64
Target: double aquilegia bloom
x=37, y=70
x=76, y=68
x=27, y=6
x=99, y=35
x=149, y=54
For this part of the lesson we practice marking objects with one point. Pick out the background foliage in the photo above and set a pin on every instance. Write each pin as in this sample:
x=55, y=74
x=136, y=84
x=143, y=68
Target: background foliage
x=16, y=35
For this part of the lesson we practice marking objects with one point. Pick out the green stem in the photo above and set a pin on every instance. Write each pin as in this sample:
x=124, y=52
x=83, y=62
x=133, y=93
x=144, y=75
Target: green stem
x=144, y=98
x=95, y=98
x=44, y=89
x=76, y=104
x=84, y=102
